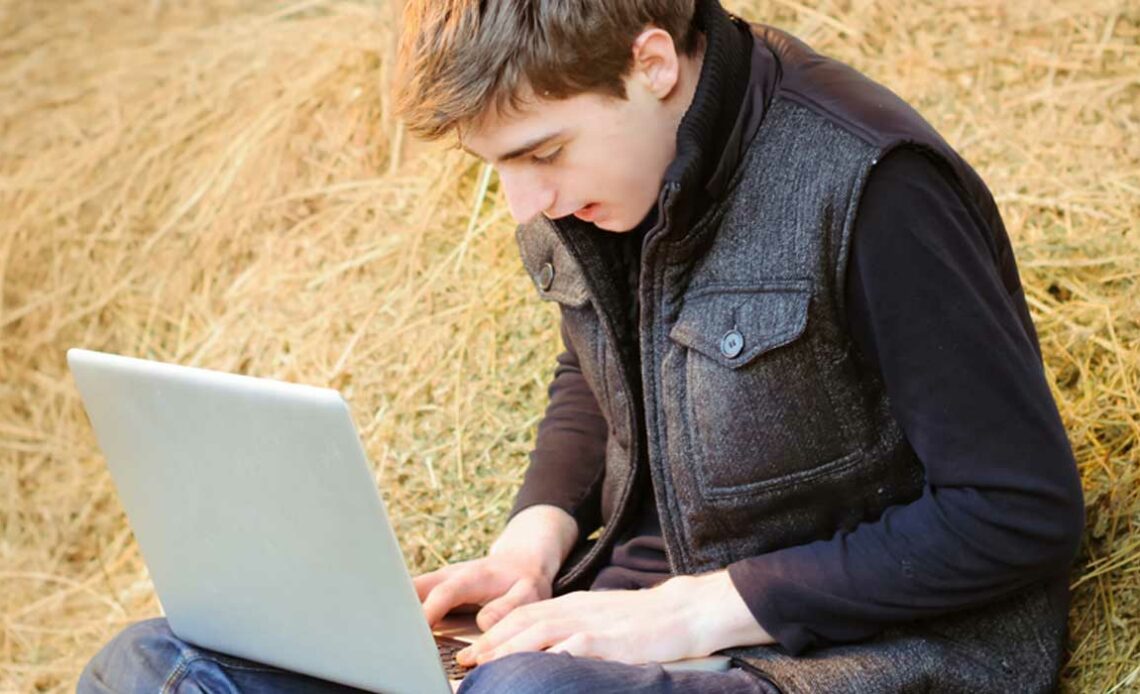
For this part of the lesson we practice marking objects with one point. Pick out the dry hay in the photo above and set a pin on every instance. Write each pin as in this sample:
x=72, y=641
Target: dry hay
x=226, y=186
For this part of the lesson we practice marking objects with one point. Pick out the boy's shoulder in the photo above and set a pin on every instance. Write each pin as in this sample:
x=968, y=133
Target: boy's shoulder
x=841, y=94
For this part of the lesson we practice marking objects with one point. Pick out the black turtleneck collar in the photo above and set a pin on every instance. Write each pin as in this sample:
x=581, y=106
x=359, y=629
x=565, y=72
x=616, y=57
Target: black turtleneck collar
x=709, y=133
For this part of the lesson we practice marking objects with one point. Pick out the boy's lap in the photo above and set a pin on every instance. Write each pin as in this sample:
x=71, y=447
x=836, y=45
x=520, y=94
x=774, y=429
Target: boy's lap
x=560, y=673
x=147, y=657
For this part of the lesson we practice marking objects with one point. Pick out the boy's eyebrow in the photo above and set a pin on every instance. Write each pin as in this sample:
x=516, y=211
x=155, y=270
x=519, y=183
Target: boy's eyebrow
x=520, y=151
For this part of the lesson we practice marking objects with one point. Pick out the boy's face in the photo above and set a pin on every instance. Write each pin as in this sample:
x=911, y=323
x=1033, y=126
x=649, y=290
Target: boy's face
x=599, y=158
x=596, y=157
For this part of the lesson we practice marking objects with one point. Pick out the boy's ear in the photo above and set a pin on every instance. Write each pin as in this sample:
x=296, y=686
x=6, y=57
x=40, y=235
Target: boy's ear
x=656, y=64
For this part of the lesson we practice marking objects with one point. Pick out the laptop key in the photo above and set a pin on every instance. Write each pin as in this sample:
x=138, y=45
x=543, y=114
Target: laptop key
x=448, y=647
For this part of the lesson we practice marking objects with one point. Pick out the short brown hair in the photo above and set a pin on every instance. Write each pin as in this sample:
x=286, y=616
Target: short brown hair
x=458, y=58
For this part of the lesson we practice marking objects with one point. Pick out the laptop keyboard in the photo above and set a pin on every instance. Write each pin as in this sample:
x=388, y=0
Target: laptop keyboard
x=448, y=647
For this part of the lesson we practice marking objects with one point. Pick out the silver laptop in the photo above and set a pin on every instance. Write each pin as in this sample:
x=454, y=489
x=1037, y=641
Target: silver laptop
x=258, y=516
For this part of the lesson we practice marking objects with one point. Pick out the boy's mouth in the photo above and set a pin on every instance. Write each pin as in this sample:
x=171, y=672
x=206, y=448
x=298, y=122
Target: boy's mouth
x=586, y=214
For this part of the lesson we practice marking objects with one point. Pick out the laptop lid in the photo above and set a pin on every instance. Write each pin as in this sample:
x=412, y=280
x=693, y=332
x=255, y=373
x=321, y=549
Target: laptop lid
x=257, y=514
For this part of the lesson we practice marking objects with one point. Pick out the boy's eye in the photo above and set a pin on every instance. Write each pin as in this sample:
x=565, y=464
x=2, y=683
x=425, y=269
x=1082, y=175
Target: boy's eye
x=547, y=157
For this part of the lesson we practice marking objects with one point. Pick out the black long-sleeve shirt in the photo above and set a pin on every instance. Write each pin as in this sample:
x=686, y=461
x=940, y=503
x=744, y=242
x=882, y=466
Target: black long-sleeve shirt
x=1002, y=505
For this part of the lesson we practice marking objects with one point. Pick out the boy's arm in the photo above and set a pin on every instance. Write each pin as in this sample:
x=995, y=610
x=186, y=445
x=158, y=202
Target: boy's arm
x=1002, y=506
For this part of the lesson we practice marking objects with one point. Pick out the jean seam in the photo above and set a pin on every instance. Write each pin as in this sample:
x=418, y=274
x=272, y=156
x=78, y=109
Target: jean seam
x=175, y=678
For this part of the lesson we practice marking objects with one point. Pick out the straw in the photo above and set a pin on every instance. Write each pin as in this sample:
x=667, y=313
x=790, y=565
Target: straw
x=224, y=184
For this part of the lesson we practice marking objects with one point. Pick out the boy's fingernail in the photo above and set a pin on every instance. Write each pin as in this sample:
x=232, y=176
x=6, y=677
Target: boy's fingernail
x=464, y=656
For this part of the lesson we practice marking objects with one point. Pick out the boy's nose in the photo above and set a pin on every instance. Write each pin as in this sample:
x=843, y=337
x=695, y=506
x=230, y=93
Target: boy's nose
x=527, y=196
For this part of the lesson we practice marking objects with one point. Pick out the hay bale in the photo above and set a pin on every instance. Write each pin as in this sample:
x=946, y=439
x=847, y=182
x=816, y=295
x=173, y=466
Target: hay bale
x=224, y=185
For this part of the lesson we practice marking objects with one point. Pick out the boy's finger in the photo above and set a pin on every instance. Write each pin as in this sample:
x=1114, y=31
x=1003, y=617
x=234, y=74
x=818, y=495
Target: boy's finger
x=464, y=587
x=425, y=582
x=521, y=593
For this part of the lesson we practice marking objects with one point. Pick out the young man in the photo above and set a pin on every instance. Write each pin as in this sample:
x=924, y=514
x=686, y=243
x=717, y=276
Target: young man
x=801, y=416
x=801, y=394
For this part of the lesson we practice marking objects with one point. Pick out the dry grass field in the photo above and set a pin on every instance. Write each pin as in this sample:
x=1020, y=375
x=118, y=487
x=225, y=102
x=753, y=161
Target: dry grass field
x=223, y=184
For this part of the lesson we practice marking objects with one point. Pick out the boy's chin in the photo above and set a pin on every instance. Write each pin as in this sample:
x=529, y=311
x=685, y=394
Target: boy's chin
x=614, y=225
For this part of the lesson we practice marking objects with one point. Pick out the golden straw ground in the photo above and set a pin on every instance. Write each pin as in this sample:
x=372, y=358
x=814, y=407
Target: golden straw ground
x=226, y=186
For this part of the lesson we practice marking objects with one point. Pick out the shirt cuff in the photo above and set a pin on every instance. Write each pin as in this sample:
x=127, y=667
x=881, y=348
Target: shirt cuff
x=765, y=591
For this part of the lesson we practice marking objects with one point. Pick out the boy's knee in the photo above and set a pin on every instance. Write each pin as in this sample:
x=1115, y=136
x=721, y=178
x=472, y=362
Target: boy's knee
x=139, y=658
x=522, y=673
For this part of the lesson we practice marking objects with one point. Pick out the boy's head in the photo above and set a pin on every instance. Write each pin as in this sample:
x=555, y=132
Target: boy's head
x=575, y=103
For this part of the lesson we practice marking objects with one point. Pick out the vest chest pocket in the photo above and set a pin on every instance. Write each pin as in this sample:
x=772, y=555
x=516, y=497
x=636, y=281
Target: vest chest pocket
x=757, y=415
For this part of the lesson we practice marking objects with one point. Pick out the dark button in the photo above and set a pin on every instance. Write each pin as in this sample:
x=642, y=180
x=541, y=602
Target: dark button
x=546, y=276
x=732, y=343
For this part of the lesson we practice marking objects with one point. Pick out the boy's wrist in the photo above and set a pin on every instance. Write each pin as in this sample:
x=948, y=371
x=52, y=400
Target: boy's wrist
x=718, y=616
x=545, y=532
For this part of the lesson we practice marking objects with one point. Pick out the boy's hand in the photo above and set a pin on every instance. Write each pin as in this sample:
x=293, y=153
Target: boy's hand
x=500, y=582
x=519, y=569
x=684, y=617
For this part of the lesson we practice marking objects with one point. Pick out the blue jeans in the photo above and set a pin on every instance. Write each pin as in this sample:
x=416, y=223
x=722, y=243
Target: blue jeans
x=147, y=658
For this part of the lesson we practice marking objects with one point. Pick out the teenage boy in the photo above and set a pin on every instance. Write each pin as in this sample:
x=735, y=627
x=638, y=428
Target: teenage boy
x=801, y=417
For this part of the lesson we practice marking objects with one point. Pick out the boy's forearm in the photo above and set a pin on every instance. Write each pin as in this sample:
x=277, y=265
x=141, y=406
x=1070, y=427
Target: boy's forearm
x=544, y=531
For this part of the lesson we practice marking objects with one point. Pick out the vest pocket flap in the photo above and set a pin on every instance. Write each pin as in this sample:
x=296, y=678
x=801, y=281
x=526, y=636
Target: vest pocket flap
x=733, y=324
x=555, y=273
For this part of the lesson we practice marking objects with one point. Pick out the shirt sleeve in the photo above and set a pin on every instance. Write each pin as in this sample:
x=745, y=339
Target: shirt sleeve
x=1002, y=505
x=568, y=460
